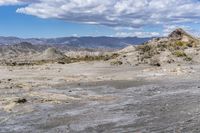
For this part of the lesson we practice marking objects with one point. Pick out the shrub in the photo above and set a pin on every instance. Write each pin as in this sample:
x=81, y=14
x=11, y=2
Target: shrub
x=114, y=55
x=184, y=44
x=117, y=63
x=179, y=43
x=144, y=48
x=190, y=45
x=162, y=47
x=180, y=53
x=147, y=51
x=188, y=58
x=97, y=57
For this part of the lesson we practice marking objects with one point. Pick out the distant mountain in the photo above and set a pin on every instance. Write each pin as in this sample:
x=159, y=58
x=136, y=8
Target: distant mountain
x=80, y=42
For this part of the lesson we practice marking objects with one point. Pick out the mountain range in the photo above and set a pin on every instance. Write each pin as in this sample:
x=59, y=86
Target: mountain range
x=79, y=42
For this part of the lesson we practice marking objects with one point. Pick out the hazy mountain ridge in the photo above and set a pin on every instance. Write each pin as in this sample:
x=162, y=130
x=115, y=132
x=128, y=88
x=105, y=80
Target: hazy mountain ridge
x=80, y=42
x=178, y=48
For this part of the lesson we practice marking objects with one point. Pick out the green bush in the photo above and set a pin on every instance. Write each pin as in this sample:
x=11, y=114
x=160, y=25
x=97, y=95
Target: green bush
x=184, y=44
x=180, y=53
x=147, y=51
x=144, y=48
x=188, y=58
x=189, y=45
x=179, y=43
x=117, y=63
x=97, y=57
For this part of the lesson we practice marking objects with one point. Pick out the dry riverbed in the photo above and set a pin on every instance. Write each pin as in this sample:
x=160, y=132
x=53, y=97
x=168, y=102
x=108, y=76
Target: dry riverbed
x=98, y=97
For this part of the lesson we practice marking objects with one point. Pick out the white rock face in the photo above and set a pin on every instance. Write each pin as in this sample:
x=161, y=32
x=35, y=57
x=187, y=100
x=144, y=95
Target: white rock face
x=51, y=54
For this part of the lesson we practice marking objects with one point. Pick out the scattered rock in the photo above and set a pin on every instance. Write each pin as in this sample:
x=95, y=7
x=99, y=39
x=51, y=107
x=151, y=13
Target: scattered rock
x=21, y=101
x=61, y=62
x=155, y=62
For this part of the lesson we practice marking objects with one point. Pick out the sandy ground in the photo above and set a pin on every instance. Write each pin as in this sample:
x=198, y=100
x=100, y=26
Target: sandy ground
x=96, y=97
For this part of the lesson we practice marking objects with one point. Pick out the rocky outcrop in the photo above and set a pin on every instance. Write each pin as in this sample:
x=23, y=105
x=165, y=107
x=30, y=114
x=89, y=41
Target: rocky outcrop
x=181, y=35
x=179, y=47
x=178, y=34
x=51, y=54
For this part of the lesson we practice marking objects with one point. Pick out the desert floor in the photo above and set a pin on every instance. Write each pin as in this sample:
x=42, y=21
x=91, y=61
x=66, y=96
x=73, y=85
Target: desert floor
x=98, y=97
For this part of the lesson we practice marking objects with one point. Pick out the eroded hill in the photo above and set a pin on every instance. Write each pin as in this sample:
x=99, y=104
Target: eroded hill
x=178, y=48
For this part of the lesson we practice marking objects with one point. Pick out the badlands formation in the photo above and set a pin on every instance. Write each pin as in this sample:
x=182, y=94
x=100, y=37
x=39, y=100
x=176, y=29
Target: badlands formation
x=150, y=88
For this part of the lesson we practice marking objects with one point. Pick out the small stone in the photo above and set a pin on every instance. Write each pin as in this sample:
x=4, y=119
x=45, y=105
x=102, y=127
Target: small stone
x=61, y=62
x=23, y=100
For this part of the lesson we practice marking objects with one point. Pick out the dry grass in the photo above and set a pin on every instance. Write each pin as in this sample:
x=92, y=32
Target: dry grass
x=116, y=63
x=105, y=57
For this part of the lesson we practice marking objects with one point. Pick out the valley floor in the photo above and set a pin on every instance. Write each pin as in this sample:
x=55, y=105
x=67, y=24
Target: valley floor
x=98, y=97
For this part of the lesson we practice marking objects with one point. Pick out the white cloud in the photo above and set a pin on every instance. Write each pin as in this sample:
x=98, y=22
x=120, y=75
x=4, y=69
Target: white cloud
x=131, y=14
x=137, y=34
x=9, y=2
x=169, y=28
x=127, y=13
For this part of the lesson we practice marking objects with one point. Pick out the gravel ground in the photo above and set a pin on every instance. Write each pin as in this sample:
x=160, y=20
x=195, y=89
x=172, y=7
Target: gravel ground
x=143, y=104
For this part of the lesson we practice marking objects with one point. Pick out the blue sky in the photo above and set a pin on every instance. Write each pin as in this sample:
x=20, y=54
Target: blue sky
x=144, y=18
x=26, y=26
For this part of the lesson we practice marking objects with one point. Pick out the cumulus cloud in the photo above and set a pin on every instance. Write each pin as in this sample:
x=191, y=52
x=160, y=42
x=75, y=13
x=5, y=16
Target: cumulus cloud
x=133, y=14
x=137, y=34
x=129, y=13
x=17, y=2
x=9, y=2
x=169, y=28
